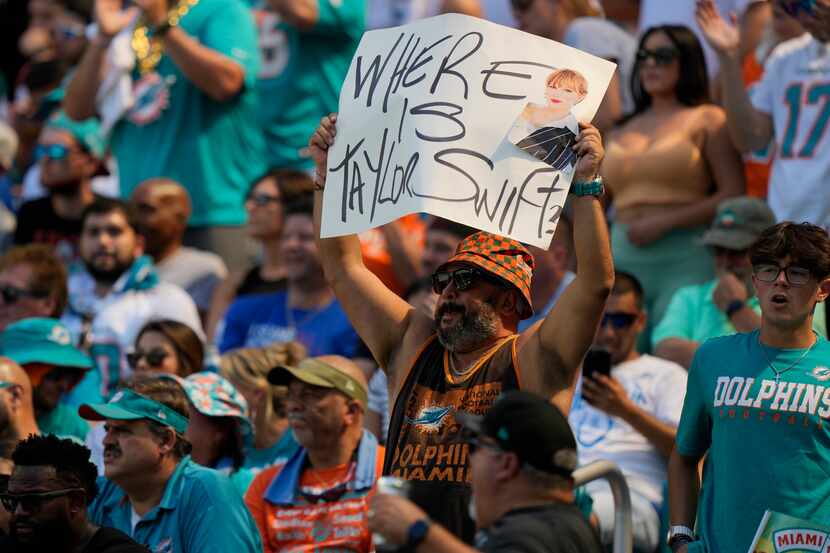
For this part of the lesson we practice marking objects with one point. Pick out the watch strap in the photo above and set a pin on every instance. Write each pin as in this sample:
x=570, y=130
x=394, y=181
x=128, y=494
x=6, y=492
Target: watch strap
x=417, y=533
x=588, y=188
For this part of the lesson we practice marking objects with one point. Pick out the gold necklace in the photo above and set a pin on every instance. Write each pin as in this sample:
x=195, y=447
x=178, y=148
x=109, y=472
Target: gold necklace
x=149, y=49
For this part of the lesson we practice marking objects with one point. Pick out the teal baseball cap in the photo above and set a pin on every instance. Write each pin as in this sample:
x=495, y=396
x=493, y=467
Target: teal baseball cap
x=127, y=405
x=42, y=340
x=86, y=132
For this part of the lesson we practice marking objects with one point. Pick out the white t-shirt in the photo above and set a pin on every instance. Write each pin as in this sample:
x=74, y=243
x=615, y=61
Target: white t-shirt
x=658, y=387
x=601, y=38
x=198, y=272
x=795, y=92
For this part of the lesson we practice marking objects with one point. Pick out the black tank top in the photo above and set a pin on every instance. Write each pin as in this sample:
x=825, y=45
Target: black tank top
x=425, y=444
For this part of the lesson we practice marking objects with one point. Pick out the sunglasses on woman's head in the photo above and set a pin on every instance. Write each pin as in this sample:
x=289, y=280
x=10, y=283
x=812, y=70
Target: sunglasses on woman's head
x=661, y=56
x=155, y=357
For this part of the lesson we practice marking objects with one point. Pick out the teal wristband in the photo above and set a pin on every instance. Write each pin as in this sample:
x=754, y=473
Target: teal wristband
x=590, y=188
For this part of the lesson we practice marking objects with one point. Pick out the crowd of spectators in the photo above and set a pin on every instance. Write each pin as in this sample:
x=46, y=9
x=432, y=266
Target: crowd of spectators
x=185, y=366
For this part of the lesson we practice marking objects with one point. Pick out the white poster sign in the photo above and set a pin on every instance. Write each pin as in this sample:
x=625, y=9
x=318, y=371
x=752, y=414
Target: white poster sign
x=461, y=118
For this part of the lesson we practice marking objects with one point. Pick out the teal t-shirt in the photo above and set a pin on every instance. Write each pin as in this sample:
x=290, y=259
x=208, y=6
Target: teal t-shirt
x=768, y=442
x=301, y=73
x=200, y=512
x=65, y=422
x=693, y=315
x=215, y=149
x=280, y=452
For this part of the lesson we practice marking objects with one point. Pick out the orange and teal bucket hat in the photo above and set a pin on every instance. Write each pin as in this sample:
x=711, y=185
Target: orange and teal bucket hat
x=503, y=257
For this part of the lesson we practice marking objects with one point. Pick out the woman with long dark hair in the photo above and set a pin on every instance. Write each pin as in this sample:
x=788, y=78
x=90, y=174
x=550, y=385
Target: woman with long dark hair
x=667, y=167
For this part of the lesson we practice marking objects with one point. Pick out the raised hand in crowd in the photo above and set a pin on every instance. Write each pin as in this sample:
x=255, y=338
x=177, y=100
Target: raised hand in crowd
x=112, y=16
x=723, y=36
x=319, y=144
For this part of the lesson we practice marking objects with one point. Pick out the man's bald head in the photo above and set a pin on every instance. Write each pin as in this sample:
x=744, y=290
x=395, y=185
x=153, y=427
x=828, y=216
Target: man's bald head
x=13, y=373
x=163, y=208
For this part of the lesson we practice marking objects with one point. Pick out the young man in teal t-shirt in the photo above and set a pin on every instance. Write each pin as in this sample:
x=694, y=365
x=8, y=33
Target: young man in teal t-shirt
x=306, y=48
x=759, y=404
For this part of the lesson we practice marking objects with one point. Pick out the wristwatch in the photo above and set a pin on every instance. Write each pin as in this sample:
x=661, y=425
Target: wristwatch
x=679, y=534
x=590, y=188
x=733, y=307
x=416, y=534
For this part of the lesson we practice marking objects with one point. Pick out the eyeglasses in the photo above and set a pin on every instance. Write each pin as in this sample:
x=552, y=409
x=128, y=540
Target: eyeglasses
x=661, y=56
x=793, y=8
x=463, y=278
x=69, y=32
x=263, y=200
x=796, y=276
x=56, y=152
x=155, y=357
x=521, y=5
x=11, y=294
x=32, y=501
x=618, y=320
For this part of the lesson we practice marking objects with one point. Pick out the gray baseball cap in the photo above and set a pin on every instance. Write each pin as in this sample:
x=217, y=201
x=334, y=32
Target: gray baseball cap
x=738, y=223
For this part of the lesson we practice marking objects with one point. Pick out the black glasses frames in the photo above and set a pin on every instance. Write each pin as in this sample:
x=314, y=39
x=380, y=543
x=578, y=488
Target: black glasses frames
x=32, y=501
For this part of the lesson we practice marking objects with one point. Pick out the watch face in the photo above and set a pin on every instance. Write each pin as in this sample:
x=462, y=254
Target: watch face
x=417, y=532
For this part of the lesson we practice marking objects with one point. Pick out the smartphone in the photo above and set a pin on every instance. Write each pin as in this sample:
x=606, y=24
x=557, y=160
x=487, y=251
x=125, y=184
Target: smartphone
x=596, y=361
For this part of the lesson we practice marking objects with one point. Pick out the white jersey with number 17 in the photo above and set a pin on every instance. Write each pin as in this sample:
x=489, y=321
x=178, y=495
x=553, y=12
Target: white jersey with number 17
x=795, y=92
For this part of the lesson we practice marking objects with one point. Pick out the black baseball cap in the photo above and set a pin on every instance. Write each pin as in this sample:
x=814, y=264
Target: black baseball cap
x=529, y=426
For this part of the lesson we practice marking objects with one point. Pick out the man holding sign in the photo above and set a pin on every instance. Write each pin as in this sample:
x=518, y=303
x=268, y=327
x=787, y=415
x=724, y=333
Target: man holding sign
x=460, y=361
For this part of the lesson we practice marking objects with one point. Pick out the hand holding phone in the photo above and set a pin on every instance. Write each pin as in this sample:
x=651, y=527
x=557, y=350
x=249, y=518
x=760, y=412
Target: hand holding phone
x=597, y=360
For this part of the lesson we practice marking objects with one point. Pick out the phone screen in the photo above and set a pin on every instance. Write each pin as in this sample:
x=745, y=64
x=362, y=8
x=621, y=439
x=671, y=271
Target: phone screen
x=596, y=361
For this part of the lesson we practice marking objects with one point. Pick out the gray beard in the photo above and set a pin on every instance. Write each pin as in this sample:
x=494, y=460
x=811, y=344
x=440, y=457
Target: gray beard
x=470, y=331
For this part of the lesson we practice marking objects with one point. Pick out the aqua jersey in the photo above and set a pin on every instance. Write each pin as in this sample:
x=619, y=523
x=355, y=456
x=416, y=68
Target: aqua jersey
x=200, y=512
x=768, y=441
x=301, y=73
x=280, y=452
x=65, y=422
x=215, y=149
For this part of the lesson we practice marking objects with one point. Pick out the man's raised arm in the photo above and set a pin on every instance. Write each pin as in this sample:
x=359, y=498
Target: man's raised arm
x=551, y=351
x=380, y=317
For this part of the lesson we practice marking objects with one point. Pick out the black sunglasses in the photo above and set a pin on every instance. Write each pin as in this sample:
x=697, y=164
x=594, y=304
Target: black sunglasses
x=618, y=321
x=11, y=294
x=475, y=443
x=155, y=357
x=463, y=279
x=32, y=501
x=661, y=56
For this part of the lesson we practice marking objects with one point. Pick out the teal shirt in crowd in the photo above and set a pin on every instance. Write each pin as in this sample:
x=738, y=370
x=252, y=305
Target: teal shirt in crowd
x=280, y=452
x=301, y=73
x=768, y=442
x=693, y=315
x=215, y=149
x=200, y=512
x=65, y=422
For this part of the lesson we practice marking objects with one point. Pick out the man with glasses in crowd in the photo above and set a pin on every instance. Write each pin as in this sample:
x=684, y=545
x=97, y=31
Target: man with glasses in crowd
x=522, y=454
x=757, y=405
x=32, y=284
x=51, y=485
x=789, y=104
x=461, y=359
x=70, y=154
x=153, y=490
x=726, y=304
x=318, y=499
x=628, y=415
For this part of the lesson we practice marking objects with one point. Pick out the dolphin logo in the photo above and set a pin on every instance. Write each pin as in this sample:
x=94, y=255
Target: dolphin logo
x=429, y=419
x=821, y=373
